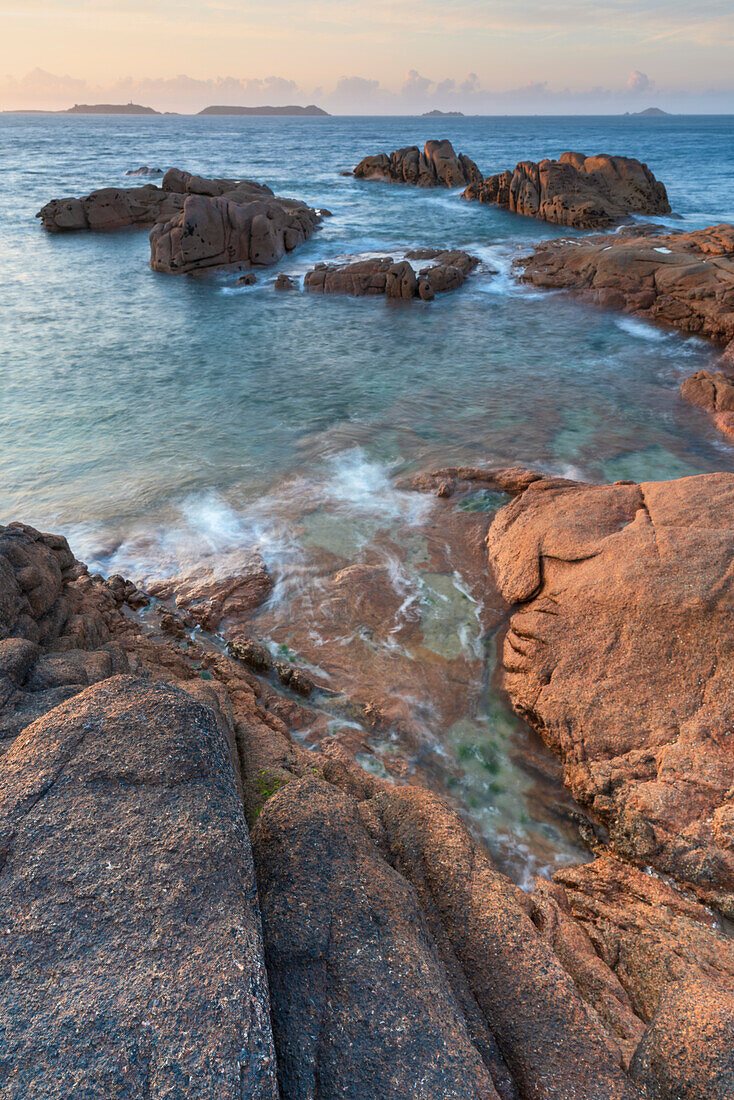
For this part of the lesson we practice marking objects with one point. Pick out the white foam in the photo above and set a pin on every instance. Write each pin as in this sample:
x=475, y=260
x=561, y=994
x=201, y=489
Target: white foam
x=641, y=329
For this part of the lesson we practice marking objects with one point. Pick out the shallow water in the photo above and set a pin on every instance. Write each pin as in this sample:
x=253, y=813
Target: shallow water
x=155, y=420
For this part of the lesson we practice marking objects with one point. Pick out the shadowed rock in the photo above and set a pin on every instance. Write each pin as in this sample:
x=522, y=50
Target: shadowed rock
x=437, y=166
x=584, y=192
x=131, y=961
x=620, y=652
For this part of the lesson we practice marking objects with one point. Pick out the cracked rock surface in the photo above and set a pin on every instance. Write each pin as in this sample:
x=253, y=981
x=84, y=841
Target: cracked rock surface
x=620, y=651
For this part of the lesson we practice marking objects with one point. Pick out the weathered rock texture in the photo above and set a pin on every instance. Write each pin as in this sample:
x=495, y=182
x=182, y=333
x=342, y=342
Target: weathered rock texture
x=714, y=392
x=437, y=166
x=580, y=191
x=401, y=963
x=131, y=961
x=685, y=280
x=621, y=653
x=391, y=279
x=219, y=231
x=123, y=207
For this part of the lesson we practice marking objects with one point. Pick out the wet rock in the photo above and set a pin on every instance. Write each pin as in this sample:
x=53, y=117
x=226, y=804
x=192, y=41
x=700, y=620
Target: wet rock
x=284, y=282
x=684, y=280
x=714, y=392
x=437, y=166
x=251, y=653
x=453, y=479
x=144, y=170
x=384, y=276
x=213, y=594
x=248, y=279
x=295, y=679
x=130, y=907
x=620, y=652
x=584, y=192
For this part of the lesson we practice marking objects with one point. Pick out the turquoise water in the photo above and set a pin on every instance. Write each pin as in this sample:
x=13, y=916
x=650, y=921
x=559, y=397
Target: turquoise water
x=155, y=419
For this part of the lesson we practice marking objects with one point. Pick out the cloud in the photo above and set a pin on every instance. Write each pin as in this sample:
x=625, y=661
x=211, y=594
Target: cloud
x=470, y=85
x=639, y=82
x=185, y=93
x=415, y=84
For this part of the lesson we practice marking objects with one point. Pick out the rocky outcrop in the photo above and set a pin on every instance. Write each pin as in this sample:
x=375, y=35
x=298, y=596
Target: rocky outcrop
x=220, y=231
x=620, y=652
x=685, y=280
x=131, y=961
x=437, y=166
x=576, y=190
x=126, y=207
x=393, y=279
x=401, y=963
x=714, y=392
x=55, y=637
x=211, y=595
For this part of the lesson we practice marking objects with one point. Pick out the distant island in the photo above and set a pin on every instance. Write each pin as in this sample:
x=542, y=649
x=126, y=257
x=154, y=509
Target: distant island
x=110, y=109
x=312, y=109
x=442, y=114
x=649, y=112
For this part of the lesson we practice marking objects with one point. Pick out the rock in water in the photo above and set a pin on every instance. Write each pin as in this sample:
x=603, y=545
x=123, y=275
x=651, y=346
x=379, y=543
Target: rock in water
x=216, y=232
x=580, y=191
x=144, y=170
x=714, y=392
x=131, y=959
x=225, y=220
x=385, y=276
x=437, y=166
x=685, y=280
x=621, y=653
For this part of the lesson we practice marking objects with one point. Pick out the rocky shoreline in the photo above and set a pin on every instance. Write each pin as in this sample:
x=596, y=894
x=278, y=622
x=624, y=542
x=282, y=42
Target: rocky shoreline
x=391, y=944
x=205, y=891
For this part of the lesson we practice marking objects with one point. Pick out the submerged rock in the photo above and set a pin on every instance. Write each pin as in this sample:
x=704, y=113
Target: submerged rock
x=392, y=279
x=144, y=170
x=214, y=594
x=576, y=190
x=621, y=653
x=437, y=166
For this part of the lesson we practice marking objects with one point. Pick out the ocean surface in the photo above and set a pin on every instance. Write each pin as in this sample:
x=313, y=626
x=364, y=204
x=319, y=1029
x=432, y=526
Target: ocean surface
x=155, y=420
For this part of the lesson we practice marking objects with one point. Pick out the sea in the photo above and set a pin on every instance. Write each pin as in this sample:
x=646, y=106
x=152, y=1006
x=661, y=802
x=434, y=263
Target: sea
x=159, y=421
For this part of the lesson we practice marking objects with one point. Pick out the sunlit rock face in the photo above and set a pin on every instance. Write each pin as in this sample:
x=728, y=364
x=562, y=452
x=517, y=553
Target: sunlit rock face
x=579, y=191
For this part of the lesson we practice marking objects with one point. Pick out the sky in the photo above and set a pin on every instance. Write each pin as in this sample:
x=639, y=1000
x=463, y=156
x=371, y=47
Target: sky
x=371, y=56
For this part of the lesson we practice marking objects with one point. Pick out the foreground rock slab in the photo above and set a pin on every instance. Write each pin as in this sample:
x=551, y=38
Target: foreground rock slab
x=394, y=280
x=621, y=653
x=131, y=958
x=437, y=166
x=576, y=190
